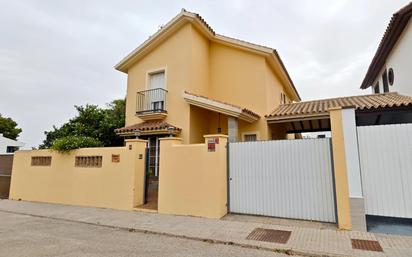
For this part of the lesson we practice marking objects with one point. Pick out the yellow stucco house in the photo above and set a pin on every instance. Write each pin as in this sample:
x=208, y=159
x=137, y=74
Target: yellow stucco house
x=188, y=81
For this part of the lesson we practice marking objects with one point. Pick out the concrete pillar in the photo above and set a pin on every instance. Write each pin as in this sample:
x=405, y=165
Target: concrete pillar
x=232, y=126
x=348, y=186
x=137, y=148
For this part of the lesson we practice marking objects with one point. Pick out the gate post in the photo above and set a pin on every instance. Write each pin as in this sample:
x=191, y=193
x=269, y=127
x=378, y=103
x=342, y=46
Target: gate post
x=348, y=187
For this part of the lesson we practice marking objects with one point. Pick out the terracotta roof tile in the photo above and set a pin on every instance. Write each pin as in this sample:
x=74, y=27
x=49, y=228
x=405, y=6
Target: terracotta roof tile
x=361, y=102
x=147, y=126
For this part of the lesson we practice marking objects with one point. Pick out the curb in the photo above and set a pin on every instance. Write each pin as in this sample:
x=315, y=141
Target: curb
x=287, y=251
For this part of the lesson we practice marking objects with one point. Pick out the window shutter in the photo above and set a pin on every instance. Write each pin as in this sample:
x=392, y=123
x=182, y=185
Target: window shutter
x=157, y=80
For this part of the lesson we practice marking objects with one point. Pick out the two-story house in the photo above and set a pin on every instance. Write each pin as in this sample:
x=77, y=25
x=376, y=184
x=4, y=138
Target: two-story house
x=188, y=81
x=390, y=69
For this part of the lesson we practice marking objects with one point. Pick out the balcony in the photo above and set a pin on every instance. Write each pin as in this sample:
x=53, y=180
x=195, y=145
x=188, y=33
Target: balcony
x=151, y=104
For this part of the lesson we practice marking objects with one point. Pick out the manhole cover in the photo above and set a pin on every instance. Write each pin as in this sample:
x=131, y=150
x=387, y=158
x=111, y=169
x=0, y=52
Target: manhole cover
x=367, y=245
x=269, y=235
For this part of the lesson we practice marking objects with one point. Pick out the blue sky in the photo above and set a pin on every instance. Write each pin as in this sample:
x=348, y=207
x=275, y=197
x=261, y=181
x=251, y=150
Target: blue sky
x=56, y=54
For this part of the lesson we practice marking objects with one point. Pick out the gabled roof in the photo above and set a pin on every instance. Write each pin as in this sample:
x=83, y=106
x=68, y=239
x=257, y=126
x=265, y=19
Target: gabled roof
x=394, y=30
x=321, y=107
x=184, y=17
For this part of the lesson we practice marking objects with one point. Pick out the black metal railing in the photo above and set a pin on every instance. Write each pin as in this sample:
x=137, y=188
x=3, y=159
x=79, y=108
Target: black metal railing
x=152, y=100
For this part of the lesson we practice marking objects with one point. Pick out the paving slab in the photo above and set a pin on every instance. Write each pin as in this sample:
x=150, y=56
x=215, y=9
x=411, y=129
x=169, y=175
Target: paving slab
x=307, y=241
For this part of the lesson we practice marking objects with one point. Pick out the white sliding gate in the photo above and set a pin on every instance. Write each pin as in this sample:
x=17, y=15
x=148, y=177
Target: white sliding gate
x=285, y=178
x=386, y=165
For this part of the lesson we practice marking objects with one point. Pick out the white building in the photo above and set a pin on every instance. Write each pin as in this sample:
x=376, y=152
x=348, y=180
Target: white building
x=8, y=145
x=391, y=67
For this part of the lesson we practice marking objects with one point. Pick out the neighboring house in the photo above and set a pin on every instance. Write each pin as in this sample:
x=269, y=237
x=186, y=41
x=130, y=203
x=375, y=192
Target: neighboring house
x=8, y=145
x=390, y=69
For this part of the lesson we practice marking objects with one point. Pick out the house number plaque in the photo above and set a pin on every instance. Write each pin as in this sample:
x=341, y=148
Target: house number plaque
x=211, y=145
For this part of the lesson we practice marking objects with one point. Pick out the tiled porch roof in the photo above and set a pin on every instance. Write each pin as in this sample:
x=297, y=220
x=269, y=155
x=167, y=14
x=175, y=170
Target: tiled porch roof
x=241, y=109
x=321, y=107
x=148, y=126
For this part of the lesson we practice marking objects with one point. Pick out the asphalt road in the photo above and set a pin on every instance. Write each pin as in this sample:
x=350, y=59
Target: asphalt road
x=23, y=235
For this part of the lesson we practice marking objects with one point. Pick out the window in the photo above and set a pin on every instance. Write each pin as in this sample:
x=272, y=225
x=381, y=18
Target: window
x=41, y=160
x=376, y=88
x=282, y=98
x=157, y=80
x=250, y=137
x=385, y=81
x=156, y=95
x=391, y=76
x=88, y=161
x=11, y=149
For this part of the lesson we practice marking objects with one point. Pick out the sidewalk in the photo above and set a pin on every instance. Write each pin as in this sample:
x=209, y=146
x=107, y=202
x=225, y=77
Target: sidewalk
x=302, y=241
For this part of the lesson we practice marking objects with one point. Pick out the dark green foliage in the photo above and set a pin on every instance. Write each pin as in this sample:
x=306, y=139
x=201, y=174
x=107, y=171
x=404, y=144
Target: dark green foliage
x=68, y=143
x=92, y=122
x=8, y=128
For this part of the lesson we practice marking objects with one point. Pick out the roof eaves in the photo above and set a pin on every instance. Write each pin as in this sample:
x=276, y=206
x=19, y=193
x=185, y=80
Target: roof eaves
x=394, y=29
x=287, y=73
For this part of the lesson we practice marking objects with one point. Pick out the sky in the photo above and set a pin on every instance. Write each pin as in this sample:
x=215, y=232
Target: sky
x=55, y=54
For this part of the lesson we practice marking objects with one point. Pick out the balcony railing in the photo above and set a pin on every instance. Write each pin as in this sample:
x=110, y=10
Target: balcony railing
x=151, y=101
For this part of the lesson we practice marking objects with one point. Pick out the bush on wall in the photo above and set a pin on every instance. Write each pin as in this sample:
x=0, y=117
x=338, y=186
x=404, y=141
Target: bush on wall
x=68, y=143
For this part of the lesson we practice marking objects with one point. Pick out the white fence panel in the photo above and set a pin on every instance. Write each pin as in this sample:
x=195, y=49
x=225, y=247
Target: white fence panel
x=386, y=166
x=286, y=178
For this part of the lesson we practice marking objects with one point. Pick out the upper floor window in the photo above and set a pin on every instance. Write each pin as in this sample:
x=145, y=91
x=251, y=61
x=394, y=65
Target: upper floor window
x=157, y=80
x=376, y=88
x=283, y=98
x=385, y=81
x=391, y=76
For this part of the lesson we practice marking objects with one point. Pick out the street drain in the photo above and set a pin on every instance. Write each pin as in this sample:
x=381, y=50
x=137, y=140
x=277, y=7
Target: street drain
x=367, y=245
x=269, y=235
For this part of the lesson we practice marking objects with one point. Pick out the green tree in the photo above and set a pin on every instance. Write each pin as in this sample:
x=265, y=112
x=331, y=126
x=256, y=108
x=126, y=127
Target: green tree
x=92, y=124
x=8, y=128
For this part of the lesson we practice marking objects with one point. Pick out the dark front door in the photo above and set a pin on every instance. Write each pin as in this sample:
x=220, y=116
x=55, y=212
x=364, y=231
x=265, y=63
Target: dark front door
x=152, y=171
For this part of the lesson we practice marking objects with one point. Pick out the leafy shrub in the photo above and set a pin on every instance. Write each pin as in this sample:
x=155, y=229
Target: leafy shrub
x=68, y=143
x=91, y=121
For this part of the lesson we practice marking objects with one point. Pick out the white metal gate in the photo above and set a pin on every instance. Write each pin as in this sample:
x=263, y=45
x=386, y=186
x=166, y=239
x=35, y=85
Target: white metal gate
x=286, y=178
x=386, y=165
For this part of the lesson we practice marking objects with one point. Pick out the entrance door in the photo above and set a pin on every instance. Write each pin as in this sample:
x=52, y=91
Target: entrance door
x=152, y=172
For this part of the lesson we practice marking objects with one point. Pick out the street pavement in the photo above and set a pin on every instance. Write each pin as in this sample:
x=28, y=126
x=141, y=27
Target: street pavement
x=28, y=236
x=309, y=241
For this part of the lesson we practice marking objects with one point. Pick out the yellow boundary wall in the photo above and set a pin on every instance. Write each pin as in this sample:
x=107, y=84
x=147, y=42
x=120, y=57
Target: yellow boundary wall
x=193, y=178
x=118, y=185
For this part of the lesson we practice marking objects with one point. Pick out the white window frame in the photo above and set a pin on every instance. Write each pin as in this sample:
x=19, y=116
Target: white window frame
x=250, y=133
x=154, y=71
